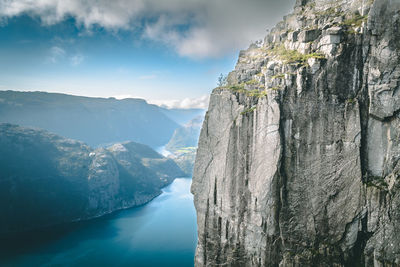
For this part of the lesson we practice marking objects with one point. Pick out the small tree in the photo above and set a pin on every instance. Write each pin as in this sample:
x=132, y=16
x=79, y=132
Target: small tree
x=222, y=80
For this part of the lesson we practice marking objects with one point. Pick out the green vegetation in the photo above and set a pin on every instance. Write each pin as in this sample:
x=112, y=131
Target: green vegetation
x=355, y=21
x=332, y=12
x=222, y=80
x=278, y=76
x=378, y=182
x=311, y=4
x=256, y=93
x=251, y=82
x=249, y=110
x=293, y=56
x=351, y=100
x=239, y=88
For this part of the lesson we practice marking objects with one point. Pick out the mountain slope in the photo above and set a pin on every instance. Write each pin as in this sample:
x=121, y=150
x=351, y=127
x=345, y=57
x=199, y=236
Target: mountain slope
x=298, y=161
x=95, y=121
x=183, y=144
x=186, y=136
x=182, y=116
x=46, y=179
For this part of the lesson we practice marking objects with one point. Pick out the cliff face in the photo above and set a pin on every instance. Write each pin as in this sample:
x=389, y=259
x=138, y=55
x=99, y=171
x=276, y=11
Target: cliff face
x=298, y=158
x=46, y=179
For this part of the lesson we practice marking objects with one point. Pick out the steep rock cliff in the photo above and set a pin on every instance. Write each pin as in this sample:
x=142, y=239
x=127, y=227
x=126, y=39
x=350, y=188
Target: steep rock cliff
x=298, y=158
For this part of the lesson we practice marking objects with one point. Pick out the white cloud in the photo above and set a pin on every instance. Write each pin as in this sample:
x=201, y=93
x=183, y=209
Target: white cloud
x=201, y=102
x=77, y=60
x=119, y=97
x=194, y=28
x=56, y=53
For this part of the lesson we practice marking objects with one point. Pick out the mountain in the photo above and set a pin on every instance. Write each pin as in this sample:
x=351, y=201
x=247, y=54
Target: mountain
x=95, y=121
x=186, y=136
x=46, y=179
x=182, y=116
x=298, y=161
x=183, y=144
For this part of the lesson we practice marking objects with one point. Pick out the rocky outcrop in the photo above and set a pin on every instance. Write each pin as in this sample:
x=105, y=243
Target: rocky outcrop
x=298, y=158
x=46, y=179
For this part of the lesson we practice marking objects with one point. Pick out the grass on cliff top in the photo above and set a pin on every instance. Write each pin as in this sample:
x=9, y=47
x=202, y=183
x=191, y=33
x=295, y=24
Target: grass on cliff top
x=293, y=56
x=355, y=21
x=255, y=92
x=239, y=88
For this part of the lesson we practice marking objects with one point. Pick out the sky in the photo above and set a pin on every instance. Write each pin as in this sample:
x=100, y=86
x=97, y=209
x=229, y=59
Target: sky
x=169, y=52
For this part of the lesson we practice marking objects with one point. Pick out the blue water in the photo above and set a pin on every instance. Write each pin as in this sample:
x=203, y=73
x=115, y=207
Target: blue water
x=160, y=233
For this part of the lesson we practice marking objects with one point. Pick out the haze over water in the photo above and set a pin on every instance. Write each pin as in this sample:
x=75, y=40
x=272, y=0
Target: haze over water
x=161, y=233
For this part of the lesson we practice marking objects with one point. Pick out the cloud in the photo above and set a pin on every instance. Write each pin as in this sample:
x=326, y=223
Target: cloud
x=76, y=60
x=201, y=102
x=193, y=28
x=125, y=96
x=56, y=53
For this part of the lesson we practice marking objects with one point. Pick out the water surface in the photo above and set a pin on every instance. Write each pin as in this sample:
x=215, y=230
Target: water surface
x=161, y=233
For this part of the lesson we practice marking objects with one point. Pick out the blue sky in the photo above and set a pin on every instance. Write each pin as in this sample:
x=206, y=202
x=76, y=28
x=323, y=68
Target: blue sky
x=160, y=51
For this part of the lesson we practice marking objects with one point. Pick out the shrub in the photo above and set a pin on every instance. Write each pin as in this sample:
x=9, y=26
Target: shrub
x=222, y=80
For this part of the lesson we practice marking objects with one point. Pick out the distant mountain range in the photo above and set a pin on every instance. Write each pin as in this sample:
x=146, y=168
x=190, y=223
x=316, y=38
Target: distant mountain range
x=95, y=121
x=46, y=179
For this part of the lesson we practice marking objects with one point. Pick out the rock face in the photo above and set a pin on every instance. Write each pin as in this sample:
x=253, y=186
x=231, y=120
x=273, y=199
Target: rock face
x=299, y=155
x=46, y=179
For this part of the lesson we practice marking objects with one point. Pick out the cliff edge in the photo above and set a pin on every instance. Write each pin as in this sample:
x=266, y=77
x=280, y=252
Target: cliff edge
x=299, y=155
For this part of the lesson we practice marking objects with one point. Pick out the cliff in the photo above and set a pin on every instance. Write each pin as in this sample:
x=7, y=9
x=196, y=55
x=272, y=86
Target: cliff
x=298, y=158
x=46, y=179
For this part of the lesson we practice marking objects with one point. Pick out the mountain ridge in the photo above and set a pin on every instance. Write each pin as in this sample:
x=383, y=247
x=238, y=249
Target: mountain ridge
x=95, y=121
